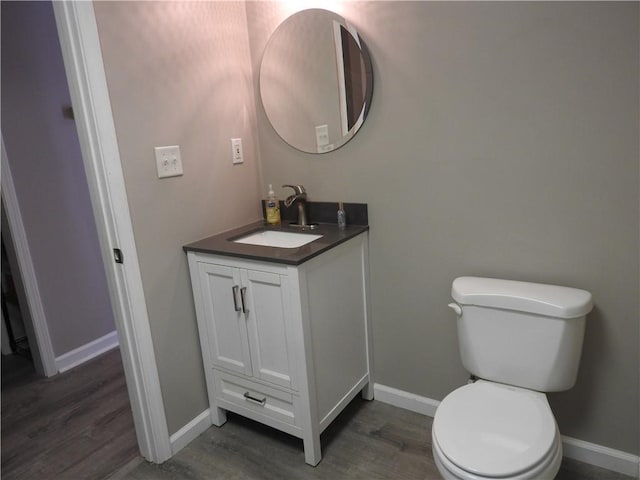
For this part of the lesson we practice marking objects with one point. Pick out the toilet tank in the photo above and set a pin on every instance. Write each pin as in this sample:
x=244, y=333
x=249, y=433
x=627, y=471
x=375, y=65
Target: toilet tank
x=518, y=333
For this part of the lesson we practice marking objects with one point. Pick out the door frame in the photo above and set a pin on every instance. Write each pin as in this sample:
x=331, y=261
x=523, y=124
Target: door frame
x=44, y=360
x=80, y=43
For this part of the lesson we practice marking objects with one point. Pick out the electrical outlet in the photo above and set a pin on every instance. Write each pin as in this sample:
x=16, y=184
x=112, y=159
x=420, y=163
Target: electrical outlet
x=168, y=161
x=236, y=150
x=322, y=136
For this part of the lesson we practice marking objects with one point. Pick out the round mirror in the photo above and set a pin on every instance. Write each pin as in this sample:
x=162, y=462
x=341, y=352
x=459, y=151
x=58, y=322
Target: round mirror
x=316, y=81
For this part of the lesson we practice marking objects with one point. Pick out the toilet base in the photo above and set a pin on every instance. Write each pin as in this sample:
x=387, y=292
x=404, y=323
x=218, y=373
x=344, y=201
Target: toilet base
x=546, y=469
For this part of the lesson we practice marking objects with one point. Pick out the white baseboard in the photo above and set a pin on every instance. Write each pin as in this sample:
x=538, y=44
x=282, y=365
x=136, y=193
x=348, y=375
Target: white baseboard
x=406, y=400
x=190, y=431
x=591, y=453
x=600, y=456
x=86, y=352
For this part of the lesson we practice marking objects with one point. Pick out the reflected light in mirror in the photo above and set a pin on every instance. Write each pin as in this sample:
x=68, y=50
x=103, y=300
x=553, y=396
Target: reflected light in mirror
x=289, y=7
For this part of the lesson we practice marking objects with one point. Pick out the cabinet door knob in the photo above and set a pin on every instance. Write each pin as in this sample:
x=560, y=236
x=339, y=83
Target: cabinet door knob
x=234, y=293
x=243, y=292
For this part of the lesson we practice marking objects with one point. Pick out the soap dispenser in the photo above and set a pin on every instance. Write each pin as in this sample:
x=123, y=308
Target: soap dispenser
x=342, y=218
x=272, y=208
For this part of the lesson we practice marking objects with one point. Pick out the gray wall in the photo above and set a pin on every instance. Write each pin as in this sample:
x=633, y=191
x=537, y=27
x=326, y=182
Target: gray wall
x=502, y=141
x=49, y=179
x=179, y=73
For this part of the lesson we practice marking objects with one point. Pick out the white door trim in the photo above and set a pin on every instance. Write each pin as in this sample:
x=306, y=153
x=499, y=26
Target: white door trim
x=82, y=57
x=44, y=359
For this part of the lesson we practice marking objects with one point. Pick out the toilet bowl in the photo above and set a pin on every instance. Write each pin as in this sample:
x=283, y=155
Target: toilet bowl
x=487, y=430
x=519, y=339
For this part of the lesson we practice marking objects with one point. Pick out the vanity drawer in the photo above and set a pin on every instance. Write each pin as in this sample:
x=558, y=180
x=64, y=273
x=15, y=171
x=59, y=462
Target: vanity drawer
x=255, y=397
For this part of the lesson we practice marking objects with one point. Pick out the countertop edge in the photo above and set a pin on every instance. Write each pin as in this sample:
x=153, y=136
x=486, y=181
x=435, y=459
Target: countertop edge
x=219, y=244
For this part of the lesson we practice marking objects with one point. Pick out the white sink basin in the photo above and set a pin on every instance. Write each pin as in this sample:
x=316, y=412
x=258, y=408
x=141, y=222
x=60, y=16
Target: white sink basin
x=276, y=238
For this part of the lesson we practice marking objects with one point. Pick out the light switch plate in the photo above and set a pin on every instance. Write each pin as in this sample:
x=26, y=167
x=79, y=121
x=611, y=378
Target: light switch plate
x=236, y=150
x=168, y=161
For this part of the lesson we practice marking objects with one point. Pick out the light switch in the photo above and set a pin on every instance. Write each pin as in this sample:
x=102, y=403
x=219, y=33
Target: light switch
x=168, y=161
x=236, y=150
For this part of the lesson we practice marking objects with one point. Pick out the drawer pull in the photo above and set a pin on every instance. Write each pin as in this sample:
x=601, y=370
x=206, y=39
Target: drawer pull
x=259, y=401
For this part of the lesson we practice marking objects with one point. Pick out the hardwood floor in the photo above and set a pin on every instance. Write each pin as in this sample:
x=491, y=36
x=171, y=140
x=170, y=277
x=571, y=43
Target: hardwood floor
x=369, y=440
x=76, y=425
x=16, y=370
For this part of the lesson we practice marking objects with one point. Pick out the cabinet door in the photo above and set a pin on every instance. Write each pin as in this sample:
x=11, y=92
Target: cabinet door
x=226, y=329
x=269, y=327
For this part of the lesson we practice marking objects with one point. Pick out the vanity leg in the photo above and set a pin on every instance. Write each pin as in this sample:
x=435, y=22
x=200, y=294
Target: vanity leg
x=218, y=416
x=367, y=391
x=312, y=452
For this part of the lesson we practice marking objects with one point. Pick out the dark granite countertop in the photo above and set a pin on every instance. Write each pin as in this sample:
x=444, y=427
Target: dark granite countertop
x=221, y=243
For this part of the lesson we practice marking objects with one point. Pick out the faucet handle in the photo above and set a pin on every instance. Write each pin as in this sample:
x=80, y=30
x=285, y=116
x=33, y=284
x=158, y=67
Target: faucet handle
x=299, y=189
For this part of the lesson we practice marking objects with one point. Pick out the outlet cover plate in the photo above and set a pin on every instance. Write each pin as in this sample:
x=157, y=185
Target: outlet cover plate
x=168, y=161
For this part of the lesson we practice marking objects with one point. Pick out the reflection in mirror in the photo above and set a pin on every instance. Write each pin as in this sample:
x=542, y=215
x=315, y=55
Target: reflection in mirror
x=316, y=81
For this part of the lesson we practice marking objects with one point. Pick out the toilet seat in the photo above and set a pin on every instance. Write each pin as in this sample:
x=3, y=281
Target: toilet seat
x=546, y=469
x=491, y=430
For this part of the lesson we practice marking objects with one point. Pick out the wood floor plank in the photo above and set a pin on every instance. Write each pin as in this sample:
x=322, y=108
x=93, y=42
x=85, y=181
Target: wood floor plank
x=75, y=425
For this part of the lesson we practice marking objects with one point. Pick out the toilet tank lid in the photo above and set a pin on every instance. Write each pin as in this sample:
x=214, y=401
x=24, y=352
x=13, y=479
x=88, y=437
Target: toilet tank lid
x=538, y=298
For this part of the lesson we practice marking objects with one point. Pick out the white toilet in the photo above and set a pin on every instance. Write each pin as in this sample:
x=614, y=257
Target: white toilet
x=518, y=339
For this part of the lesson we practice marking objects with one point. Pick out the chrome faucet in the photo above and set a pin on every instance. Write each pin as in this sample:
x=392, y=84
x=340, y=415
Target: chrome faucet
x=300, y=196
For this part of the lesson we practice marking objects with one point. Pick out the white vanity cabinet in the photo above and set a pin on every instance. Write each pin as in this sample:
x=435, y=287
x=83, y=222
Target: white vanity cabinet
x=286, y=345
x=247, y=320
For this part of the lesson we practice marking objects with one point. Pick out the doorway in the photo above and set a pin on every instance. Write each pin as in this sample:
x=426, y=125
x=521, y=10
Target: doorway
x=87, y=407
x=78, y=38
x=17, y=361
x=50, y=210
